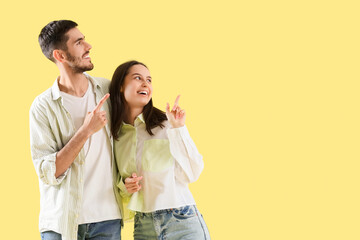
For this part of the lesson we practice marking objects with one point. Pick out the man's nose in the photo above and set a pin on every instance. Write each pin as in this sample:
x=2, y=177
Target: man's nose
x=88, y=46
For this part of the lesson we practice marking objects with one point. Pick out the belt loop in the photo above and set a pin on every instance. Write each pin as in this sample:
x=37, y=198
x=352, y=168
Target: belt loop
x=196, y=210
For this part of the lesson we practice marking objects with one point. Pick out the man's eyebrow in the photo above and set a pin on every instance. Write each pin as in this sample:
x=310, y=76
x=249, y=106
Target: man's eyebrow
x=79, y=39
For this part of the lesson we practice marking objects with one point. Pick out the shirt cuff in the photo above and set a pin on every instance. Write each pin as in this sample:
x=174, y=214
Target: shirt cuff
x=181, y=131
x=123, y=192
x=49, y=170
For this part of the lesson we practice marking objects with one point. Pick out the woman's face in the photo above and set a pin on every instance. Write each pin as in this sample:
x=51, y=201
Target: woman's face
x=137, y=86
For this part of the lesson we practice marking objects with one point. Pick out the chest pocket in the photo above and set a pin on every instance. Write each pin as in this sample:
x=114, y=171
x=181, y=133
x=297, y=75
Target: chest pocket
x=156, y=155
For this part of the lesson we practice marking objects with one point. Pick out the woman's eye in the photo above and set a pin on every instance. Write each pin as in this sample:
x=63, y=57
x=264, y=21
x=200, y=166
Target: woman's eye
x=149, y=80
x=138, y=78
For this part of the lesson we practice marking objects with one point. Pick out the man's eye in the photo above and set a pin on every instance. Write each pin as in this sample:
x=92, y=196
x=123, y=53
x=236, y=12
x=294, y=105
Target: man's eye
x=149, y=80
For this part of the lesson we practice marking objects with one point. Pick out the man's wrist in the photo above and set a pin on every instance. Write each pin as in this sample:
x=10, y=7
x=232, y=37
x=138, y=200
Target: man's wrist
x=84, y=132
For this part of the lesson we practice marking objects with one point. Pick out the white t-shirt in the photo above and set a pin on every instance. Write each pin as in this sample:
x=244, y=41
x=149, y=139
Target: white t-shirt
x=98, y=203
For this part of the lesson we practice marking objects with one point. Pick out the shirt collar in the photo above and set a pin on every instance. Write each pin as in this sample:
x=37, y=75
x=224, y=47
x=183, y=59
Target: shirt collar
x=56, y=91
x=138, y=120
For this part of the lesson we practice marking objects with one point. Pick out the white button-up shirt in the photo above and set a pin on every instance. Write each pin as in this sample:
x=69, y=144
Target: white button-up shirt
x=168, y=162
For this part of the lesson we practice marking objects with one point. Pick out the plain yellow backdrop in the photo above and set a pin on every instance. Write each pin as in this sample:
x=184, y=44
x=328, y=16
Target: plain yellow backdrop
x=271, y=90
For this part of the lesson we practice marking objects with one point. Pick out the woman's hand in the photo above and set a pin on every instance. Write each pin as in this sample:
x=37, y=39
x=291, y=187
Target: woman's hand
x=177, y=115
x=132, y=183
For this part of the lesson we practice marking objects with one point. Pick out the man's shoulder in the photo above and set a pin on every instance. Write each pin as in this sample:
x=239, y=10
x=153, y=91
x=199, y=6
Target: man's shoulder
x=102, y=80
x=103, y=83
x=42, y=101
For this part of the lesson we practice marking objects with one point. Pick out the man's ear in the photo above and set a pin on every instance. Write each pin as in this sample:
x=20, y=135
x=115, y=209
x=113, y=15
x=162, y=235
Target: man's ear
x=59, y=55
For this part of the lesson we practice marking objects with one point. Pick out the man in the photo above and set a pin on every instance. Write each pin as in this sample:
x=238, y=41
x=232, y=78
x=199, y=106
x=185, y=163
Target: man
x=71, y=144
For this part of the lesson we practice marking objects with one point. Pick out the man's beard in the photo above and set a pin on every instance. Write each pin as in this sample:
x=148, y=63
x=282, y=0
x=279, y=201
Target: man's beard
x=75, y=64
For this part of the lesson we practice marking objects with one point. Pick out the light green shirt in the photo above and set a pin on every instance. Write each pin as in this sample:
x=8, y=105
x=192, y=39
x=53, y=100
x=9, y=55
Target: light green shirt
x=167, y=160
x=51, y=128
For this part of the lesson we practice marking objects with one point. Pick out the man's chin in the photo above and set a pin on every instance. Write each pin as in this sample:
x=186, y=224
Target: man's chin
x=84, y=69
x=90, y=67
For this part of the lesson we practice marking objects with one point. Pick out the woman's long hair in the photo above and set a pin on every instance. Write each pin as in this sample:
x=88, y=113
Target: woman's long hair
x=153, y=116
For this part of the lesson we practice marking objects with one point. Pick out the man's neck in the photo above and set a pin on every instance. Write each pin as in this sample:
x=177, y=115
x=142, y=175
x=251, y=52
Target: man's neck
x=75, y=84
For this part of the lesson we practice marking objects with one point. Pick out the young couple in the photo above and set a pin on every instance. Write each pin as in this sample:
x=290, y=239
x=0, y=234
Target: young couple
x=94, y=173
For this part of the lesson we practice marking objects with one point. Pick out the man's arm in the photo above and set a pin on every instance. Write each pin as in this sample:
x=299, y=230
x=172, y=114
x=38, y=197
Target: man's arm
x=93, y=122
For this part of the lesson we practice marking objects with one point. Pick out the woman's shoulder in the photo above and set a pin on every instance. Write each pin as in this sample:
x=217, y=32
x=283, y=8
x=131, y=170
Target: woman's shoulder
x=167, y=124
x=161, y=130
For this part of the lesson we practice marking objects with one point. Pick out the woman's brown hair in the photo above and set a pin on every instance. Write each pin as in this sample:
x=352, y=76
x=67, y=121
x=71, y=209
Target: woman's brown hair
x=153, y=117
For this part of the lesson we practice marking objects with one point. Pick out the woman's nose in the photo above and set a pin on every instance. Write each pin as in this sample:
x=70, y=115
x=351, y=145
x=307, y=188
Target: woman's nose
x=145, y=83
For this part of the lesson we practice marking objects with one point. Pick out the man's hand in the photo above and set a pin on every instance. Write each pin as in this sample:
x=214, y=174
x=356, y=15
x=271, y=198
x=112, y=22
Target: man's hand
x=132, y=183
x=93, y=122
x=96, y=119
x=177, y=115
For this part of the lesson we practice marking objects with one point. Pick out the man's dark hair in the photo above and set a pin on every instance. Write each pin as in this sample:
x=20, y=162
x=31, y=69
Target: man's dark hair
x=53, y=36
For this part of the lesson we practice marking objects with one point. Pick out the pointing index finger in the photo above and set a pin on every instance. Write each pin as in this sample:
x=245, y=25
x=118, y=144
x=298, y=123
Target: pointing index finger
x=101, y=103
x=176, y=103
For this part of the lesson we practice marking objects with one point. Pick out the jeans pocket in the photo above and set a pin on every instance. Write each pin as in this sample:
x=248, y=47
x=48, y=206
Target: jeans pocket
x=136, y=219
x=184, y=212
x=50, y=235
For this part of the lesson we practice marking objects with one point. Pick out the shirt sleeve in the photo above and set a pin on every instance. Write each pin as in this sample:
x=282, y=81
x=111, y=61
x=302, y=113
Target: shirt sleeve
x=125, y=199
x=125, y=195
x=188, y=161
x=43, y=147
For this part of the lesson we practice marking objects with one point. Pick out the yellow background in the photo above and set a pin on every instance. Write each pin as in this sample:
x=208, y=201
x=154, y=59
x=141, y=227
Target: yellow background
x=271, y=90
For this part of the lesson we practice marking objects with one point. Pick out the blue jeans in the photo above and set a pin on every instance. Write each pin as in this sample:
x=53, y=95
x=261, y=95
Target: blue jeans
x=185, y=223
x=106, y=230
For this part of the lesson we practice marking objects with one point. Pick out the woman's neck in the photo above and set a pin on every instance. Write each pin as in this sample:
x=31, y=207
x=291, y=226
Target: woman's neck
x=131, y=115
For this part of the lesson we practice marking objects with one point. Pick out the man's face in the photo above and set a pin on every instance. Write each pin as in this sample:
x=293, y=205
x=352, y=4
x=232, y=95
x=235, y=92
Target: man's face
x=77, y=54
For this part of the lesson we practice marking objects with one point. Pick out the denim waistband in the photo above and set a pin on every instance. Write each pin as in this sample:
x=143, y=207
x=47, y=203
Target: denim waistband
x=169, y=210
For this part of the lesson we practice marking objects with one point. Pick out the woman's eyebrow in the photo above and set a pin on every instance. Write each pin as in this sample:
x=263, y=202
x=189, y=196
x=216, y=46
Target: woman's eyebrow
x=139, y=75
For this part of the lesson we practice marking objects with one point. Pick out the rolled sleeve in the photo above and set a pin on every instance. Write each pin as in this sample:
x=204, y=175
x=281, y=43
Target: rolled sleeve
x=47, y=170
x=43, y=147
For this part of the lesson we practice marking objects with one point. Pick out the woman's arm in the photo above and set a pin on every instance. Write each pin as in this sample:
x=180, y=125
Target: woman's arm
x=189, y=163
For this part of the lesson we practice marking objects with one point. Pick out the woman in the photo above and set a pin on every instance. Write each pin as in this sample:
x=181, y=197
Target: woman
x=156, y=159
